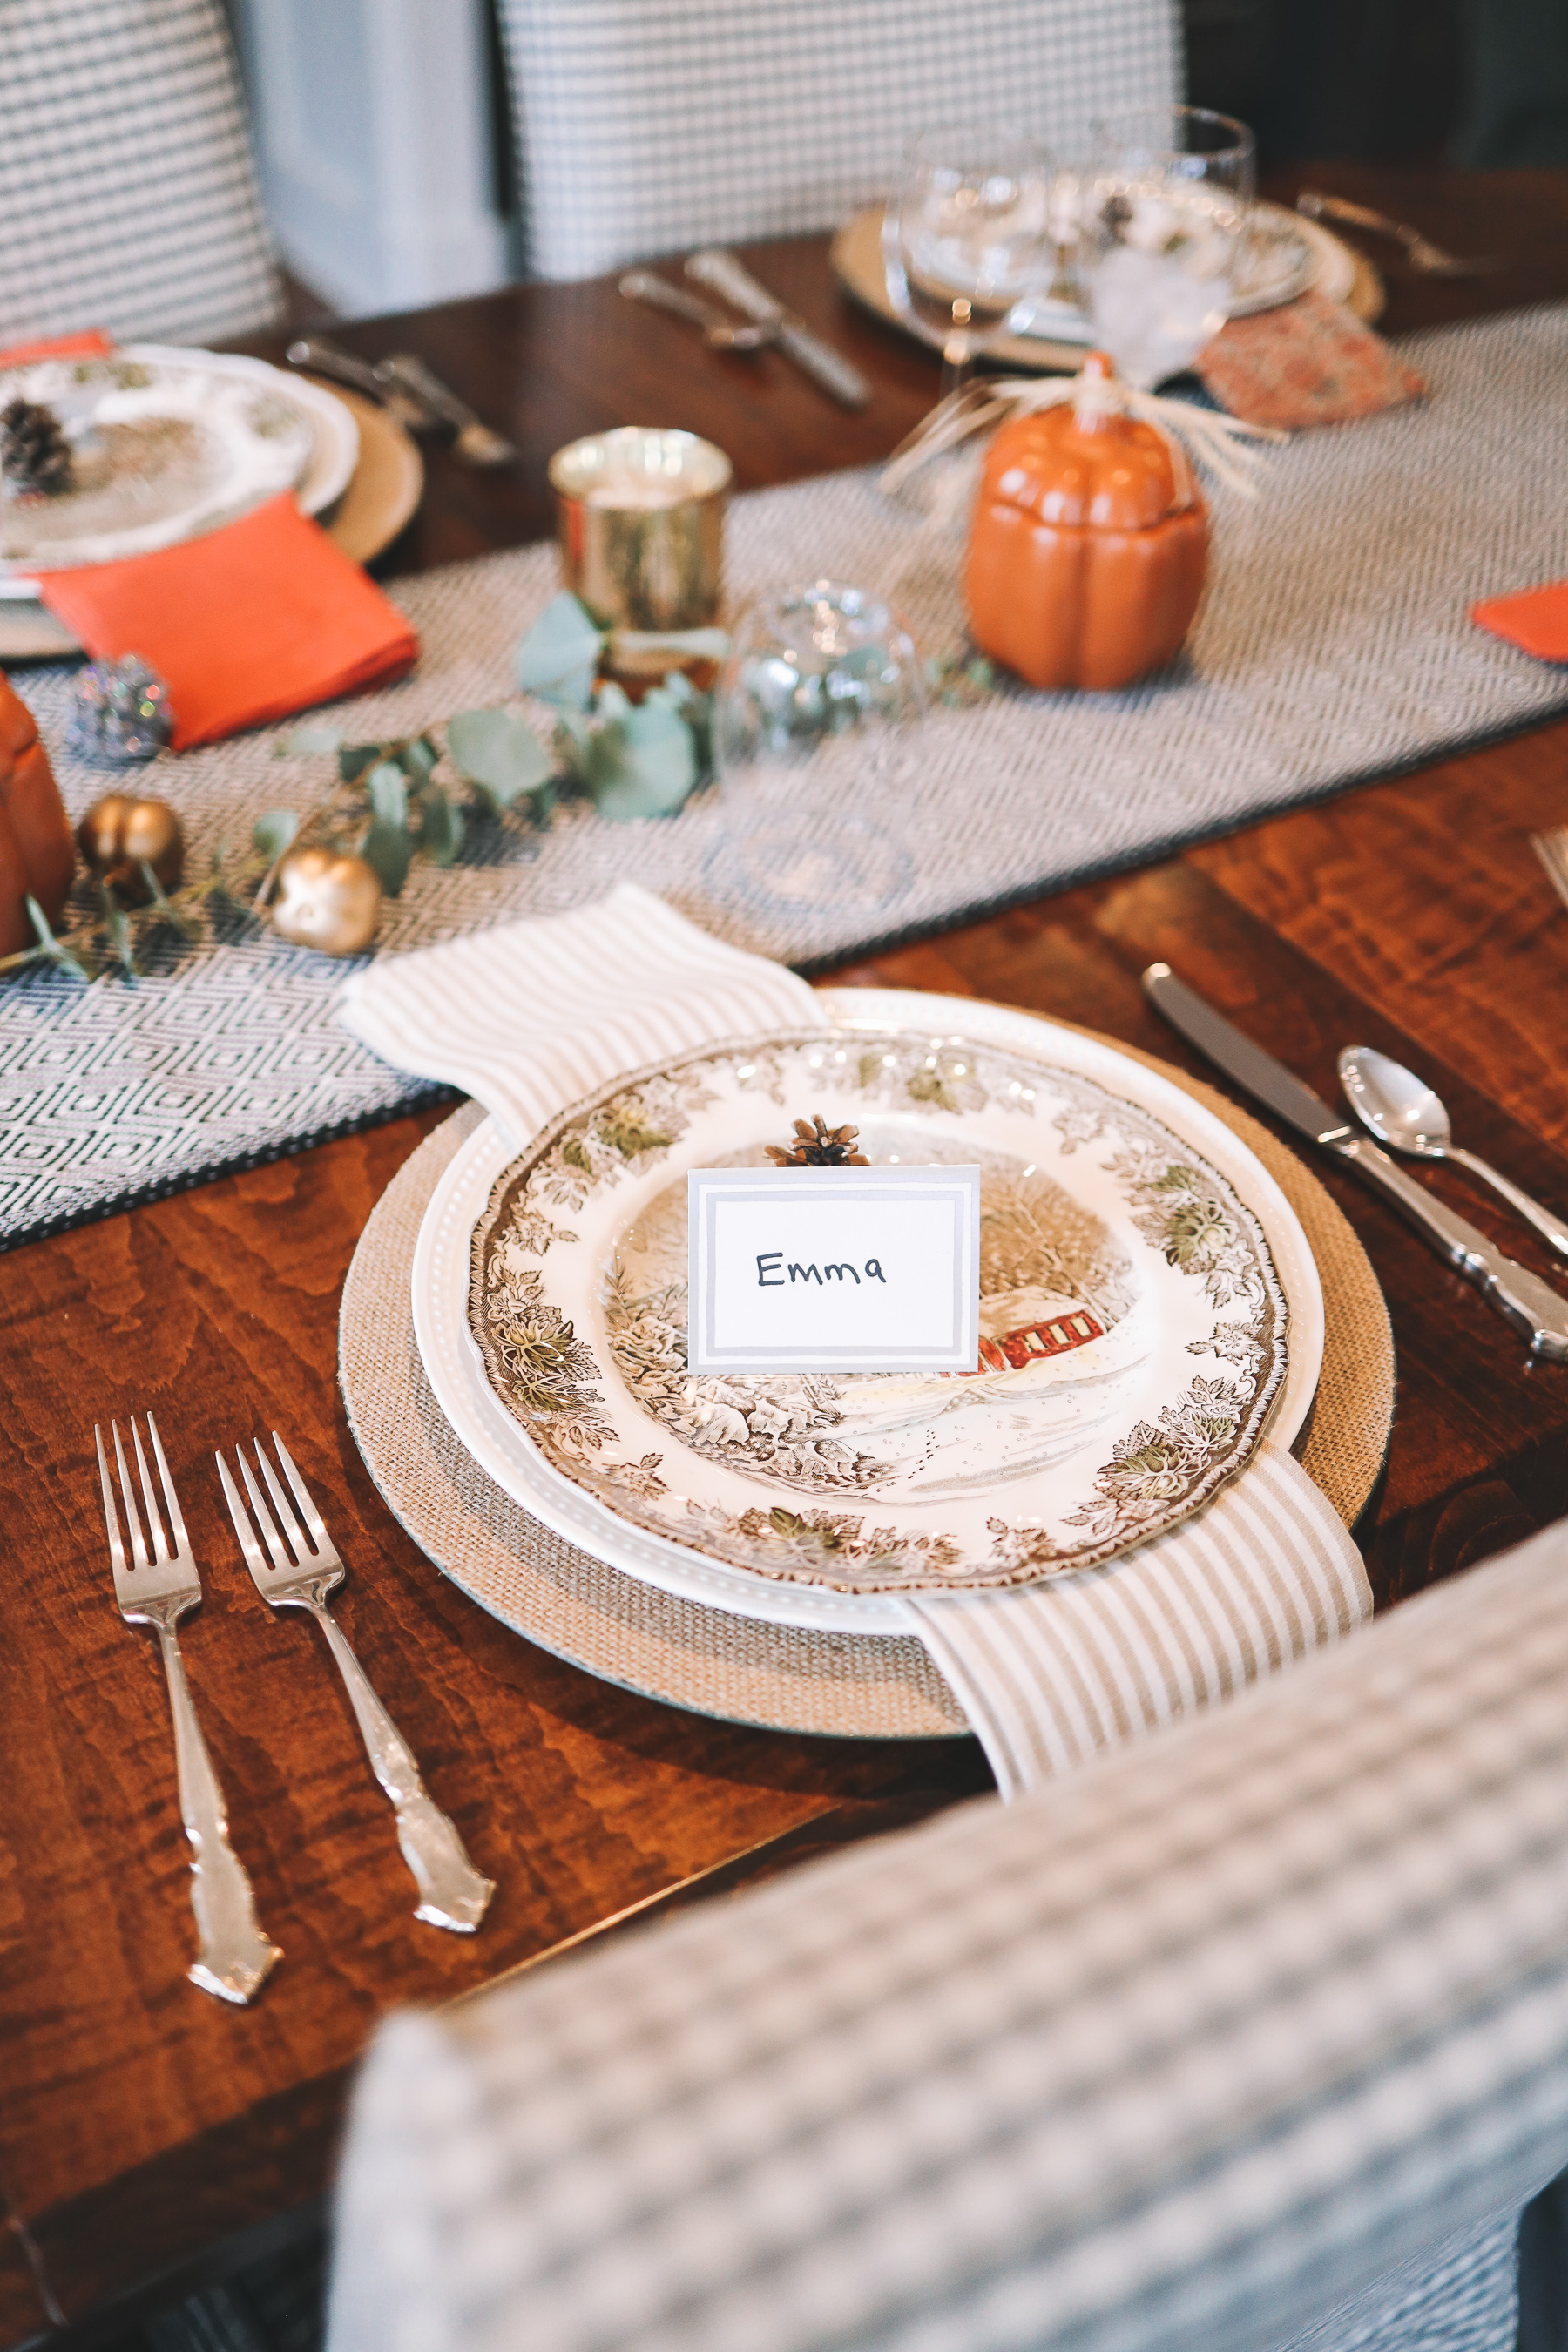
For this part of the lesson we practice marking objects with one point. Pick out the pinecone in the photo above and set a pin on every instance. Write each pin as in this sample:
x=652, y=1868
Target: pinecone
x=34, y=452
x=817, y=1145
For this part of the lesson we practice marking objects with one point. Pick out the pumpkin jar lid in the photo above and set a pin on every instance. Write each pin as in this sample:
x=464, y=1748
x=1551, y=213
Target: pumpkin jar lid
x=1087, y=465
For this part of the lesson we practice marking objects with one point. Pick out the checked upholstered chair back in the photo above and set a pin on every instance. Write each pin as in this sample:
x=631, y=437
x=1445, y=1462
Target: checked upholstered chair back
x=128, y=193
x=1251, y=2034
x=644, y=126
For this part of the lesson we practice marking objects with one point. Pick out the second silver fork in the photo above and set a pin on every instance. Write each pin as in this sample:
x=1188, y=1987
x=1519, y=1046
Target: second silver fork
x=453, y=1894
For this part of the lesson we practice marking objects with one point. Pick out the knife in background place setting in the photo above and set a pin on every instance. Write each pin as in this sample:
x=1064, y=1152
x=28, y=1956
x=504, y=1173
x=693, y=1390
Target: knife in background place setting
x=325, y=359
x=728, y=276
x=1531, y=1304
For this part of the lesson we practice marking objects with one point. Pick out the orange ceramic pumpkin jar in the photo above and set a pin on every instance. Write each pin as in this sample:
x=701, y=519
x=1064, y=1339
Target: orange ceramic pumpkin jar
x=37, y=856
x=1089, y=546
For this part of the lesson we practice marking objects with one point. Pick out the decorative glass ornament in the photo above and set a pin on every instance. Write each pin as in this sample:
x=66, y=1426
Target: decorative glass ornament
x=121, y=715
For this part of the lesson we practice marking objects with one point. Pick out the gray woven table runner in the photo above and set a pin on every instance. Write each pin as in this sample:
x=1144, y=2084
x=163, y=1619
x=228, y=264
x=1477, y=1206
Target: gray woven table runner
x=1334, y=645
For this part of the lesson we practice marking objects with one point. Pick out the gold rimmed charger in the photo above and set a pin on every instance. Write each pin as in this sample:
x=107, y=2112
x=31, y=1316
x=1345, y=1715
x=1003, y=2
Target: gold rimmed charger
x=857, y=258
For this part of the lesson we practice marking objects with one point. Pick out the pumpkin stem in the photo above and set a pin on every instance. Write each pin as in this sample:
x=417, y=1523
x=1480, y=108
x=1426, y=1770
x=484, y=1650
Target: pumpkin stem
x=1096, y=394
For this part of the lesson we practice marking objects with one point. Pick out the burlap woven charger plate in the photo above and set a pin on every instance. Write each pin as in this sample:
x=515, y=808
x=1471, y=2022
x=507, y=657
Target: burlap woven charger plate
x=854, y=1685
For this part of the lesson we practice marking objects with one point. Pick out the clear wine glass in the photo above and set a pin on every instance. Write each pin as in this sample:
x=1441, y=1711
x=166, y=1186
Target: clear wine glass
x=1164, y=225
x=965, y=238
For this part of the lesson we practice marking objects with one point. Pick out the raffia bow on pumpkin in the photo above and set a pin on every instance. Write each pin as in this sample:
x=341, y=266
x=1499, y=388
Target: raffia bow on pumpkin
x=1218, y=443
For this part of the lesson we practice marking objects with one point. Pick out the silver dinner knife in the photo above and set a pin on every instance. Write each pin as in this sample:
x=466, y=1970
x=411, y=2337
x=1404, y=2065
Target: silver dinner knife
x=1531, y=1305
x=728, y=276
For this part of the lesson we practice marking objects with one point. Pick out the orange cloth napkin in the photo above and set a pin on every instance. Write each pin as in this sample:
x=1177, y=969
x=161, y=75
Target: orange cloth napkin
x=262, y=618
x=94, y=345
x=1310, y=361
x=1536, y=620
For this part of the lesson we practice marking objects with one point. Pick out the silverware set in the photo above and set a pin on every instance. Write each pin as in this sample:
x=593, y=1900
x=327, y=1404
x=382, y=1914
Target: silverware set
x=1397, y=1107
x=764, y=322
x=294, y=1566
x=413, y=394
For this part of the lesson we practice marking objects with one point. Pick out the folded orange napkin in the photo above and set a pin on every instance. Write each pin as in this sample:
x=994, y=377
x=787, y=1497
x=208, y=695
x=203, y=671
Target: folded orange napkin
x=264, y=617
x=1310, y=361
x=1536, y=620
x=93, y=345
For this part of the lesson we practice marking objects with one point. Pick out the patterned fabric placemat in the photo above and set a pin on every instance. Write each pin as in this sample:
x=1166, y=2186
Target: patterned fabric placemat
x=862, y=1685
x=1334, y=645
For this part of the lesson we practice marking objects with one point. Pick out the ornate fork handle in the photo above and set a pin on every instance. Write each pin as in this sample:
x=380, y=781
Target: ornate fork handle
x=453, y=1893
x=236, y=1955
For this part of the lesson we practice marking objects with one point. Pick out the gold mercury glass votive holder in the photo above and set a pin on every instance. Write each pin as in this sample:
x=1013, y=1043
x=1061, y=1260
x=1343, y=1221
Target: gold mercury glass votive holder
x=640, y=513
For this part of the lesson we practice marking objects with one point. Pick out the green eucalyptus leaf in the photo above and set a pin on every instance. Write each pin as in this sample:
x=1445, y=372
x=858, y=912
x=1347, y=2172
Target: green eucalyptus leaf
x=575, y=740
x=416, y=759
x=303, y=742
x=612, y=701
x=40, y=923
x=56, y=950
x=560, y=653
x=441, y=827
x=388, y=789
x=500, y=752
x=272, y=833
x=119, y=928
x=354, y=759
x=643, y=764
x=387, y=849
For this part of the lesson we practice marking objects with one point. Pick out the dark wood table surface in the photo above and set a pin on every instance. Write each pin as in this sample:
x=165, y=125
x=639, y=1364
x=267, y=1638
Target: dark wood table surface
x=150, y=2136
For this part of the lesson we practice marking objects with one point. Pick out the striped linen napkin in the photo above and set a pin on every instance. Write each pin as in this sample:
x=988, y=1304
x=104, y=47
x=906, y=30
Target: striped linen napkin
x=532, y=1015
x=1264, y=1573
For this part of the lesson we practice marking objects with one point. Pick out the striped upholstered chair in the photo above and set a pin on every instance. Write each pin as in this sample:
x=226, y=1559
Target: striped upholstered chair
x=128, y=195
x=645, y=125
x=1252, y=2035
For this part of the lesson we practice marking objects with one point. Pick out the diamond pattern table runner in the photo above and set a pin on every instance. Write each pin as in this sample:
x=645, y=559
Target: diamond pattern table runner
x=1334, y=645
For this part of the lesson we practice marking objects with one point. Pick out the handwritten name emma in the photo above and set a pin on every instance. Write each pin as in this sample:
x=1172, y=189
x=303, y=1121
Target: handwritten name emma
x=769, y=1277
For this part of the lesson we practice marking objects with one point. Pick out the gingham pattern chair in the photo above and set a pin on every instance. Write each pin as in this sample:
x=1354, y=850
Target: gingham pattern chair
x=646, y=125
x=128, y=194
x=1255, y=2032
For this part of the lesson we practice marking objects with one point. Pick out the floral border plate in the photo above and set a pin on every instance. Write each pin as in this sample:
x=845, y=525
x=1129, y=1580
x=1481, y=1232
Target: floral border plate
x=169, y=442
x=1133, y=1323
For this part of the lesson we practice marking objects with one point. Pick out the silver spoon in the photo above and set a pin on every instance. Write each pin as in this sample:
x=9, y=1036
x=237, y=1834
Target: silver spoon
x=719, y=332
x=1403, y=1111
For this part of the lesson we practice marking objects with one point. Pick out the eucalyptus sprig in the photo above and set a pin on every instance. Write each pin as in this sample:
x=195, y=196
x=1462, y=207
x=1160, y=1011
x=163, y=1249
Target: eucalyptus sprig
x=113, y=932
x=387, y=805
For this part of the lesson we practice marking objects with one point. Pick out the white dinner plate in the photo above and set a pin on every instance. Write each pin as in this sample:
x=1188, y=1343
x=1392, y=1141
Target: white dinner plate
x=1285, y=253
x=169, y=443
x=1146, y=1325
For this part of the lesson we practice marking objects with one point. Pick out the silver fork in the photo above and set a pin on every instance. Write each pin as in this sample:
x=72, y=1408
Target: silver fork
x=157, y=1590
x=1419, y=251
x=453, y=1894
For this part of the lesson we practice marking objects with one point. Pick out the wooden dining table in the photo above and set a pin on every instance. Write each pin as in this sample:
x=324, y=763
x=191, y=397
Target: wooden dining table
x=152, y=2139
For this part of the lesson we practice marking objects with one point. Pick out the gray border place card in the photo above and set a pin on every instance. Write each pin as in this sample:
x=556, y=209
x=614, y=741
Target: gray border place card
x=833, y=1269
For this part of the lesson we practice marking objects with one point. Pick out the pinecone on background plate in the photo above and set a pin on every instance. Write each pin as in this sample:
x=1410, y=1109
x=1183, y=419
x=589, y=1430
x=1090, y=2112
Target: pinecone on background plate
x=35, y=455
x=817, y=1145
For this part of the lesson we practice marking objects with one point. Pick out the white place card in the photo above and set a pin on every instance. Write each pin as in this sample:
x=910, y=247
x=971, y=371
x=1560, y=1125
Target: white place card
x=833, y=1269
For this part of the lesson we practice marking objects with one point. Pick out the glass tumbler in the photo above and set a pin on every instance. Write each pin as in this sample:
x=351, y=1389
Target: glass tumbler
x=810, y=714
x=966, y=238
x=1163, y=222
